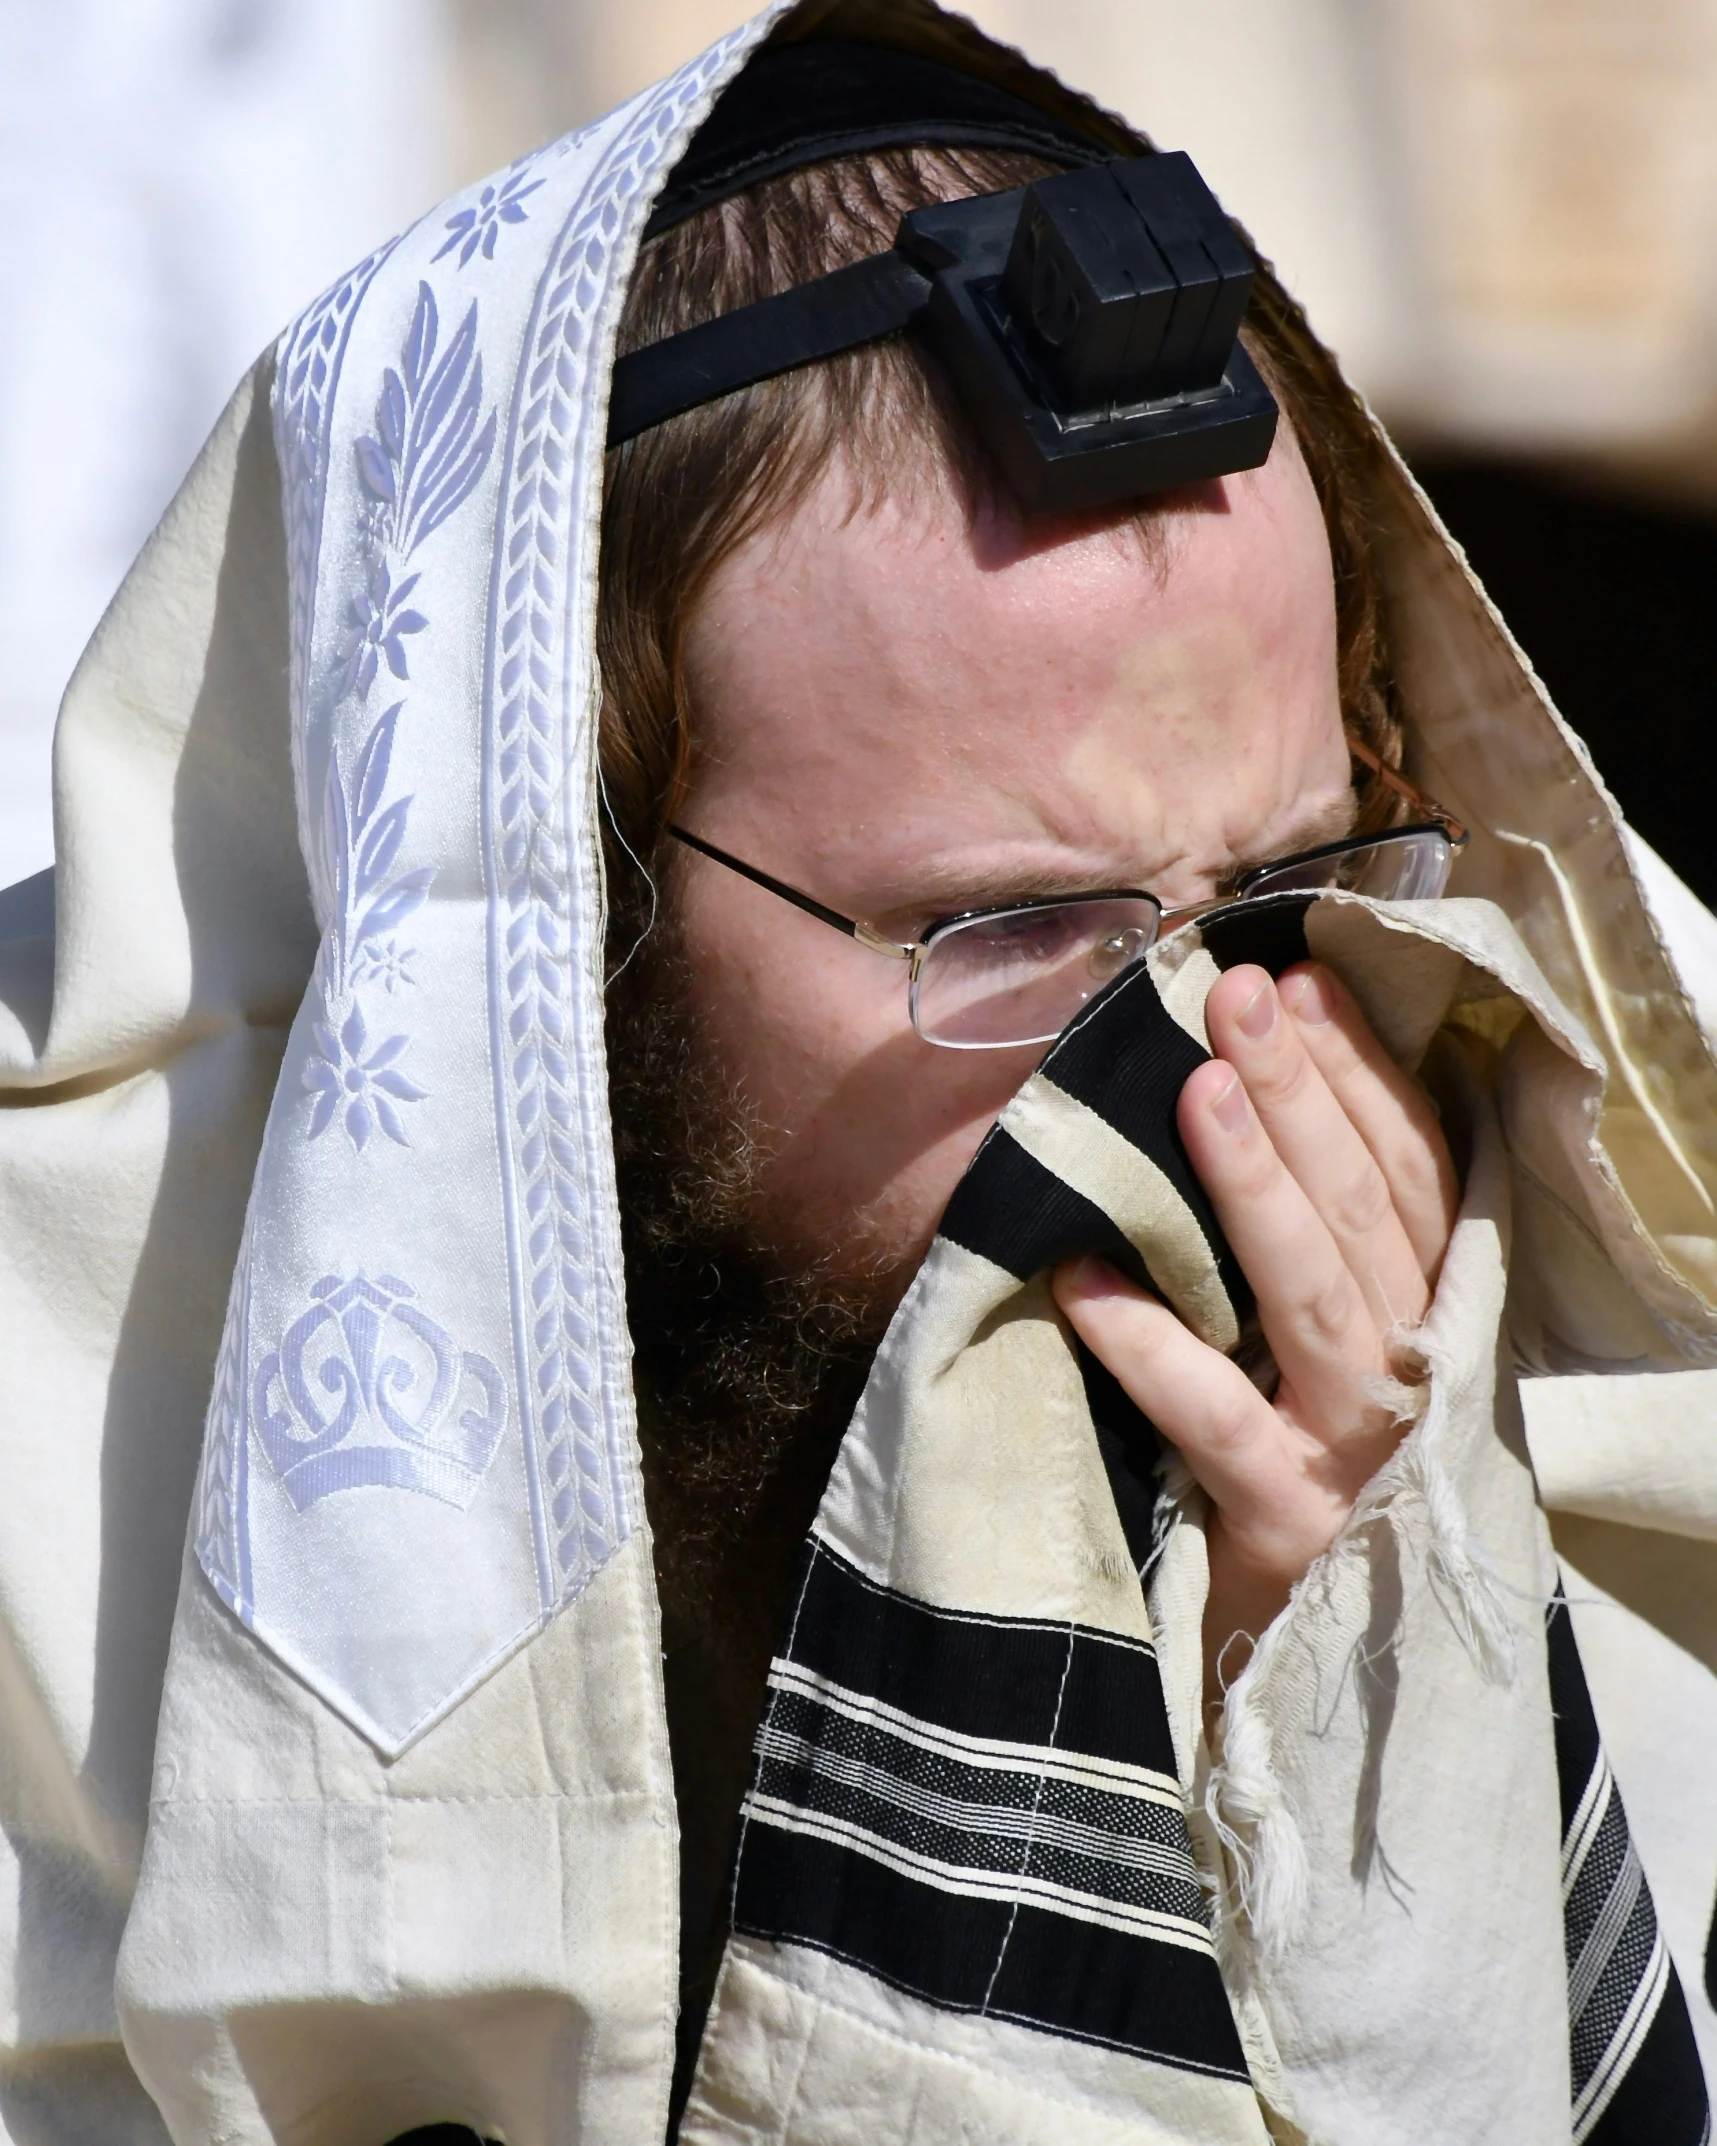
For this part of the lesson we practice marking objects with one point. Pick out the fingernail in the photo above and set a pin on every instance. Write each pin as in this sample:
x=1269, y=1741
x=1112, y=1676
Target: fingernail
x=1310, y=1000
x=1231, y=1109
x=1088, y=1276
x=1258, y=1016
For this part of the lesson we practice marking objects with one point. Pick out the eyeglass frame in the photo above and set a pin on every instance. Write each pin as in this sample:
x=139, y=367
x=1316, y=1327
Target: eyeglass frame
x=1436, y=820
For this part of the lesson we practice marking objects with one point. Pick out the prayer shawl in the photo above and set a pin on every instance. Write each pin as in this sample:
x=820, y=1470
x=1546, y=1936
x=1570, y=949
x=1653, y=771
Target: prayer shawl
x=980, y=1755
x=359, y=1814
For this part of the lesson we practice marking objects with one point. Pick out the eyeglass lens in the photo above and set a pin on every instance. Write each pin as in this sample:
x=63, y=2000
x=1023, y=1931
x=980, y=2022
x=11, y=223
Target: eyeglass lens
x=1410, y=866
x=1021, y=976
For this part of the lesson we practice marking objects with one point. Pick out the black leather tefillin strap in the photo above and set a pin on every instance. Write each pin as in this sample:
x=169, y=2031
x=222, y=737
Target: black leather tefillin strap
x=838, y=312
x=798, y=105
x=1088, y=321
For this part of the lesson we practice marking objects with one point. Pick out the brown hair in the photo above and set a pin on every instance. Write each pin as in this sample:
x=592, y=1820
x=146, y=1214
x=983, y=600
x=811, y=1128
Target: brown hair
x=681, y=498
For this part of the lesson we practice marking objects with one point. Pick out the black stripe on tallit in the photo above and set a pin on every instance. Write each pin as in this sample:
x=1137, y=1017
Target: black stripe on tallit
x=960, y=1874
x=1011, y=1210
x=1270, y=932
x=951, y=1806
x=1126, y=1058
x=1636, y=2075
x=1002, y=1677
x=1056, y=1975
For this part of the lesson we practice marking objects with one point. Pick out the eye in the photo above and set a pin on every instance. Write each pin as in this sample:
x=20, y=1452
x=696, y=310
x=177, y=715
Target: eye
x=1024, y=935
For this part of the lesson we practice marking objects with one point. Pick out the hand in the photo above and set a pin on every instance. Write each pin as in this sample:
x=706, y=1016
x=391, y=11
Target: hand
x=1333, y=1185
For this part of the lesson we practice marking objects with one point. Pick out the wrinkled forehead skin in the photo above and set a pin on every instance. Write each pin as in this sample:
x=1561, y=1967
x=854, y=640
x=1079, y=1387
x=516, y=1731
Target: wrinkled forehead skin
x=1481, y=733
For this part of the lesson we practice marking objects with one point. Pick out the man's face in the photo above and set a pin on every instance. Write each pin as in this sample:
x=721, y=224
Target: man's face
x=906, y=714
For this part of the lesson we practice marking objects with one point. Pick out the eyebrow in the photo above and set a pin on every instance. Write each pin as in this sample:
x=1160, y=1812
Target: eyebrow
x=1331, y=821
x=947, y=891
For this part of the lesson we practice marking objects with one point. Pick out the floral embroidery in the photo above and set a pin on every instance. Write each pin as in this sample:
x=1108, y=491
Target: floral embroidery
x=361, y=840
x=364, y=1393
x=477, y=229
x=333, y=1380
x=429, y=450
x=380, y=623
x=368, y=1082
x=386, y=963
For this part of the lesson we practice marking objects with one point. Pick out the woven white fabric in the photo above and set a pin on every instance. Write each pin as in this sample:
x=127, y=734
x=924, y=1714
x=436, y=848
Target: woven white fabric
x=359, y=1814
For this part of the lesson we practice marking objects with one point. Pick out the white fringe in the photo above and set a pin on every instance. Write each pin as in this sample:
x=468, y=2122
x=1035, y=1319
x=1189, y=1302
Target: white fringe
x=1244, y=1800
x=1270, y=1873
x=1461, y=1575
x=1176, y=1486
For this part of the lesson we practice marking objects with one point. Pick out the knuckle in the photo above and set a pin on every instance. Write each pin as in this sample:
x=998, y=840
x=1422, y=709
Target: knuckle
x=1281, y=1076
x=1255, y=1179
x=1337, y=1049
x=1254, y=1169
x=1150, y=1342
x=1329, y=1309
x=1231, y=1419
x=1415, y=1166
x=1363, y=1204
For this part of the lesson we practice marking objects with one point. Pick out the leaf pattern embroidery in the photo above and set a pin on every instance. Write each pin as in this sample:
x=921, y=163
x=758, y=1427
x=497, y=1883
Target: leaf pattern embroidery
x=429, y=450
x=431, y=443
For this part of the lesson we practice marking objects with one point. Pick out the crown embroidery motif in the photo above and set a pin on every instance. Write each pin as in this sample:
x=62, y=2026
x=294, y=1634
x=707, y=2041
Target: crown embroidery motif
x=366, y=1391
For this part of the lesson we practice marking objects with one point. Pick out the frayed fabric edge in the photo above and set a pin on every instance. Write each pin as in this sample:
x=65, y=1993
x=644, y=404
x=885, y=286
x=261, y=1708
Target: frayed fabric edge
x=1414, y=1493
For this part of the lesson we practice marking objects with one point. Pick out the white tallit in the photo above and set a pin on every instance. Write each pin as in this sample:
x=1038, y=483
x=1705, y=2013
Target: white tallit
x=307, y=1144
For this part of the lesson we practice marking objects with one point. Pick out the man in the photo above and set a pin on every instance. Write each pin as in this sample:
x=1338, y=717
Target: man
x=408, y=1852
x=1158, y=695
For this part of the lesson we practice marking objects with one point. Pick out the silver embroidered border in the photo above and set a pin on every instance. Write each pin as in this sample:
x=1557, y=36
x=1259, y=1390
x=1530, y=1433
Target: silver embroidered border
x=546, y=1016
x=308, y=359
x=543, y=883
x=222, y=1544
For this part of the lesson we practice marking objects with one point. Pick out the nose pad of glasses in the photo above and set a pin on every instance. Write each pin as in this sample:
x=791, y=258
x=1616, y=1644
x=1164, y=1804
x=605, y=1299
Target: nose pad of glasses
x=1117, y=952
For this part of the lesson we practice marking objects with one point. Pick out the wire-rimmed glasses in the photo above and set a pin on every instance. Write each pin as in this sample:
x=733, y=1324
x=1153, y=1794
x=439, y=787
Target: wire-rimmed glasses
x=1017, y=973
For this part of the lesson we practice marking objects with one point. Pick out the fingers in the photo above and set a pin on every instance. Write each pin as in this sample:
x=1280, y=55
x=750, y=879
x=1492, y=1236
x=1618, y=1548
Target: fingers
x=1249, y=1462
x=1389, y=1110
x=1321, y=1331
x=1332, y=1184
x=1316, y=1137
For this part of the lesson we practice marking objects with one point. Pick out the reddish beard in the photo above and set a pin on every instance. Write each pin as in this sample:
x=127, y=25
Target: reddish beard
x=747, y=1372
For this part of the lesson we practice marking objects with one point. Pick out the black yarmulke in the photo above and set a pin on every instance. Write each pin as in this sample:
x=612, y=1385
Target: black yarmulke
x=800, y=104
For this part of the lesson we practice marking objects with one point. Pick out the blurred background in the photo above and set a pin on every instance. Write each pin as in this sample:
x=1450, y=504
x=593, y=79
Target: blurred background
x=1502, y=213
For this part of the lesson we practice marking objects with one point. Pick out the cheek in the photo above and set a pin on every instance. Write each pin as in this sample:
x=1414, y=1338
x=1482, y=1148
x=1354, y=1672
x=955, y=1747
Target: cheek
x=868, y=1127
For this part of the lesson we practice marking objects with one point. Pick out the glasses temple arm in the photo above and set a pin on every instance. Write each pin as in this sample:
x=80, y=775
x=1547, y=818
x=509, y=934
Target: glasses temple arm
x=808, y=903
x=1393, y=779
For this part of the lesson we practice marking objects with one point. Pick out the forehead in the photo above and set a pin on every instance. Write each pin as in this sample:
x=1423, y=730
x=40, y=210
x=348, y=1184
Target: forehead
x=907, y=660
